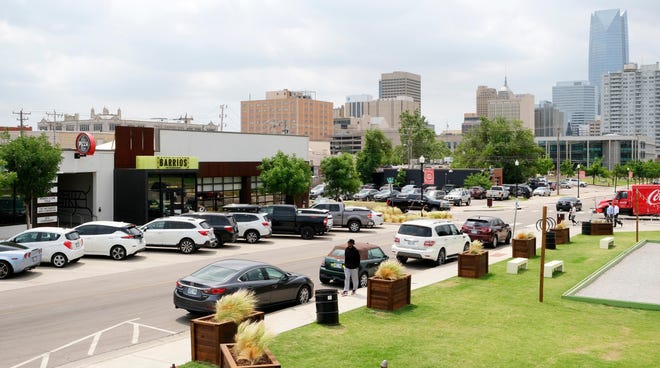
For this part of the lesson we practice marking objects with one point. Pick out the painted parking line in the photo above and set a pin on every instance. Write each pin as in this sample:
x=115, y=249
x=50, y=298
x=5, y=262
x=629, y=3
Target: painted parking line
x=96, y=336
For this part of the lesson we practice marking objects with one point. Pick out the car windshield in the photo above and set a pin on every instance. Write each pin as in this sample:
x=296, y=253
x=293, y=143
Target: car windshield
x=337, y=253
x=455, y=192
x=415, y=230
x=214, y=273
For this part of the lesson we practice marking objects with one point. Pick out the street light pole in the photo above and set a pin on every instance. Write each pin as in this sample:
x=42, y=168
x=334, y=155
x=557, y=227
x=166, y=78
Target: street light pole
x=421, y=186
x=517, y=163
x=578, y=169
x=628, y=176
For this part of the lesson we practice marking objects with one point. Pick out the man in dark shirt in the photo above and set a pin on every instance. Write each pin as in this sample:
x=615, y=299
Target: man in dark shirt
x=351, y=265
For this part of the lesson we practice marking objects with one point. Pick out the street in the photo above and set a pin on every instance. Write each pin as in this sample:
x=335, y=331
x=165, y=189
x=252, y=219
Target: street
x=54, y=316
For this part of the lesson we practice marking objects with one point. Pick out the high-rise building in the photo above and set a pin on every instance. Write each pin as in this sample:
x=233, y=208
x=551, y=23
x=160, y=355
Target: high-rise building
x=547, y=118
x=631, y=103
x=577, y=99
x=511, y=106
x=355, y=105
x=484, y=95
x=288, y=112
x=608, y=44
x=396, y=84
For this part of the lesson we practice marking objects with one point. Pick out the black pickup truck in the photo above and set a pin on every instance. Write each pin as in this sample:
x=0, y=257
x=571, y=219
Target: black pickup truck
x=415, y=201
x=286, y=219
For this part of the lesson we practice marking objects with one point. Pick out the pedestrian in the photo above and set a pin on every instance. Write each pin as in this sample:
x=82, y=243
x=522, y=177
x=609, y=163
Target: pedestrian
x=615, y=214
x=571, y=214
x=351, y=264
x=609, y=212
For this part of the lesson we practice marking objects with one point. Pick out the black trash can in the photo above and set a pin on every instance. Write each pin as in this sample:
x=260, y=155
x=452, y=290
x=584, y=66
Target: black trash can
x=586, y=228
x=489, y=202
x=550, y=242
x=327, y=310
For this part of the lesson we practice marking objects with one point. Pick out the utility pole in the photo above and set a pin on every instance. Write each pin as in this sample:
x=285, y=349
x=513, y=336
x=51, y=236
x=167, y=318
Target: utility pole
x=53, y=124
x=21, y=118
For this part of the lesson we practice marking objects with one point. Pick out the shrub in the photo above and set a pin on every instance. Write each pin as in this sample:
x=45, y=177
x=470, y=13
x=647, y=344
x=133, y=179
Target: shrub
x=476, y=247
x=524, y=235
x=235, y=307
x=252, y=340
x=390, y=269
x=562, y=225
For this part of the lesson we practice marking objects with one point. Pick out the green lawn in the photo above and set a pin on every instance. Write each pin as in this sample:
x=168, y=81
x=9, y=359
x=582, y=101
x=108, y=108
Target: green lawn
x=496, y=321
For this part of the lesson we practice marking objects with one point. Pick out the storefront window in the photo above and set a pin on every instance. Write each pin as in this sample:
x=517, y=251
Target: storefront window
x=171, y=194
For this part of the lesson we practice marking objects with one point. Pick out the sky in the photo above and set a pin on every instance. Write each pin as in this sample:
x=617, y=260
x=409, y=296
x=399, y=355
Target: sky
x=167, y=58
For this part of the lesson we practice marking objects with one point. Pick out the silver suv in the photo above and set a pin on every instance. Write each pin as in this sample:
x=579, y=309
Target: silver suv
x=458, y=196
x=186, y=233
x=435, y=240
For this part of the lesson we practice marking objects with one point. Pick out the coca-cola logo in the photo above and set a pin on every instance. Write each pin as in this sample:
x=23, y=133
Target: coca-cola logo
x=654, y=198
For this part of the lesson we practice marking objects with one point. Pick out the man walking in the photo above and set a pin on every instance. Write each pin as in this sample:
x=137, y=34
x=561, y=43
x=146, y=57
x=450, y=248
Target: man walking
x=351, y=265
x=615, y=214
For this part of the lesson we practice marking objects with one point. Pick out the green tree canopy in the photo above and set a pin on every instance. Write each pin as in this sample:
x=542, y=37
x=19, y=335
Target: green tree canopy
x=499, y=143
x=596, y=169
x=341, y=176
x=417, y=139
x=478, y=179
x=35, y=162
x=377, y=151
x=286, y=174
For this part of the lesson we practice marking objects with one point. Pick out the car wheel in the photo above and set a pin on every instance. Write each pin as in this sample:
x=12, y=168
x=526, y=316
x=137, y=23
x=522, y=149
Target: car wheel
x=59, y=260
x=442, y=257
x=494, y=241
x=307, y=233
x=5, y=270
x=469, y=201
x=251, y=236
x=324, y=280
x=354, y=226
x=304, y=294
x=508, y=238
x=187, y=246
x=364, y=279
x=217, y=244
x=402, y=259
x=117, y=252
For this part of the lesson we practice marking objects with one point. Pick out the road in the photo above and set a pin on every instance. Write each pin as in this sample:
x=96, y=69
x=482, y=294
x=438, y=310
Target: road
x=55, y=316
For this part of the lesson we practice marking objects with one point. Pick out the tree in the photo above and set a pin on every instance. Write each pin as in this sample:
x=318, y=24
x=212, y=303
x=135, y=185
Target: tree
x=34, y=163
x=478, y=179
x=499, y=143
x=418, y=138
x=285, y=174
x=341, y=176
x=596, y=169
x=566, y=168
x=377, y=150
x=544, y=165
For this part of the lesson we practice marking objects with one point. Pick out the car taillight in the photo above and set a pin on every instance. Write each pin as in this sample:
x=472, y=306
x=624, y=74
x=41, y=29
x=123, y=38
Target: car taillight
x=203, y=232
x=128, y=236
x=68, y=244
x=429, y=243
x=266, y=224
x=229, y=229
x=397, y=240
x=27, y=255
x=215, y=291
x=325, y=221
x=369, y=216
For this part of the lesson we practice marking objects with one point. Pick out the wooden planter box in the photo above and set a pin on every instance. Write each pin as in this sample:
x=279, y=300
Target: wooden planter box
x=228, y=359
x=388, y=294
x=597, y=228
x=562, y=236
x=523, y=248
x=472, y=265
x=206, y=335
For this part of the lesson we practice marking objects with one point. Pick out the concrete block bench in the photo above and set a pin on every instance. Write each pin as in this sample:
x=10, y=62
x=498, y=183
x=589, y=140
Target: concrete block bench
x=550, y=267
x=514, y=265
x=607, y=243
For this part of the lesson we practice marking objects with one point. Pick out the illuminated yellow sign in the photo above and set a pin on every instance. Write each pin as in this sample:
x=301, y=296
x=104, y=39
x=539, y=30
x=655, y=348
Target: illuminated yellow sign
x=166, y=162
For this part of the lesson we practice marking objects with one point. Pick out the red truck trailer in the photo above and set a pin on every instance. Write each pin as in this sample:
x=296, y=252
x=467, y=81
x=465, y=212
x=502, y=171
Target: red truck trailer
x=642, y=199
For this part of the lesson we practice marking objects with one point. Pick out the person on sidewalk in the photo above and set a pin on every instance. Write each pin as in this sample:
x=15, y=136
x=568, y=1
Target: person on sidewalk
x=609, y=212
x=615, y=213
x=351, y=265
x=571, y=214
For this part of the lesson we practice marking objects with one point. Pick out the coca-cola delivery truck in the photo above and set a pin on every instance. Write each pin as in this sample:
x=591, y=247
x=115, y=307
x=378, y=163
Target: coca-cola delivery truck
x=642, y=199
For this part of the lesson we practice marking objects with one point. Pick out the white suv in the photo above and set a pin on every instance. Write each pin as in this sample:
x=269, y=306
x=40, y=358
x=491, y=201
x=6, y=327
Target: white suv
x=252, y=226
x=458, y=196
x=434, y=240
x=186, y=233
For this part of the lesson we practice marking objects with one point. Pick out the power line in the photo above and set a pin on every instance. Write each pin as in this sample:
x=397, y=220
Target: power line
x=21, y=118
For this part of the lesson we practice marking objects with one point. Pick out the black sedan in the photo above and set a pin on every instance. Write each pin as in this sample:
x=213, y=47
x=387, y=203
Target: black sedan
x=564, y=204
x=332, y=268
x=198, y=292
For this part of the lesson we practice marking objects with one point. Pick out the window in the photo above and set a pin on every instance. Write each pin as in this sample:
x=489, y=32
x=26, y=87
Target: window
x=274, y=274
x=252, y=275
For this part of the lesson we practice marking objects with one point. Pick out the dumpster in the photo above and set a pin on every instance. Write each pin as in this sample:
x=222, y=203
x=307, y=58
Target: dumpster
x=327, y=310
x=489, y=202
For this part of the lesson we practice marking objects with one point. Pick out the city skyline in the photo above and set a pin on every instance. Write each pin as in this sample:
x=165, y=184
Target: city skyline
x=167, y=59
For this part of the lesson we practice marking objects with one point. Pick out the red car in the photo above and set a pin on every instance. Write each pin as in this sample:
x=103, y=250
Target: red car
x=488, y=230
x=477, y=192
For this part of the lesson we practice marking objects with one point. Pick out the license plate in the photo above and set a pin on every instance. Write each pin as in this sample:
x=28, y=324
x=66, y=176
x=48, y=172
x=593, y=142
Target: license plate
x=336, y=265
x=192, y=291
x=474, y=232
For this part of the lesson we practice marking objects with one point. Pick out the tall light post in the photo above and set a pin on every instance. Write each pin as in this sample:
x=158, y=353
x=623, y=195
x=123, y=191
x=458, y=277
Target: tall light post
x=421, y=186
x=578, y=170
x=628, y=176
x=447, y=180
x=517, y=163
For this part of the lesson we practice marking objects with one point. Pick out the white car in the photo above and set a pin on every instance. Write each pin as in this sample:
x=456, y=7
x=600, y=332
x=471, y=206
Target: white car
x=542, y=191
x=377, y=218
x=186, y=233
x=253, y=226
x=111, y=238
x=434, y=240
x=59, y=246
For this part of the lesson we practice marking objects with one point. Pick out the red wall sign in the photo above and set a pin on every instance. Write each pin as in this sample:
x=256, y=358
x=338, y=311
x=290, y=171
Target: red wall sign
x=429, y=175
x=85, y=144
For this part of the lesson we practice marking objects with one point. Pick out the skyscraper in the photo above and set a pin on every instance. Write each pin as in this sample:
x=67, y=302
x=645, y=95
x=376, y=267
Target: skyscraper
x=608, y=44
x=393, y=85
x=577, y=99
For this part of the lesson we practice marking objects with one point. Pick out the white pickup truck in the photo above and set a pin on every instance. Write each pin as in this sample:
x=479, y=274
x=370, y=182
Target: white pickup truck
x=497, y=192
